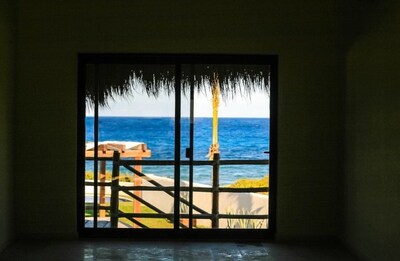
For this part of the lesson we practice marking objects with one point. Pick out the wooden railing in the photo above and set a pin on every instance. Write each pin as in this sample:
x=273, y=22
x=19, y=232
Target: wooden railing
x=215, y=189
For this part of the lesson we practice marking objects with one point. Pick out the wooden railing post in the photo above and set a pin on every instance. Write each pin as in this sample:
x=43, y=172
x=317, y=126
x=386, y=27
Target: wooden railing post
x=215, y=192
x=114, y=208
x=102, y=195
x=137, y=181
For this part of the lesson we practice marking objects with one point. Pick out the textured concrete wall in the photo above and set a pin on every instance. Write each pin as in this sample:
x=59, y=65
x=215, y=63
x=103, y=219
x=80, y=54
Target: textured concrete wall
x=372, y=131
x=6, y=87
x=303, y=34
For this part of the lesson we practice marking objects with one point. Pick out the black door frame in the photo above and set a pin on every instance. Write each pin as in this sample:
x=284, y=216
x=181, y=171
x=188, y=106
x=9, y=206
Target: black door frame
x=177, y=60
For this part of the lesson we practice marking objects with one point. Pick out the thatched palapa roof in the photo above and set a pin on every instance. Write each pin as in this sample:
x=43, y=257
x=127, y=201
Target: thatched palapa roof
x=123, y=79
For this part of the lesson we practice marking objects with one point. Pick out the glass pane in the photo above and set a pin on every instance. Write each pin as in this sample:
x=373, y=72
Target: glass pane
x=184, y=203
x=89, y=163
x=136, y=120
x=231, y=119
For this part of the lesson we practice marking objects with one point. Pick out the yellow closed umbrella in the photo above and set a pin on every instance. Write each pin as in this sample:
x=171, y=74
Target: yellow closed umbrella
x=215, y=104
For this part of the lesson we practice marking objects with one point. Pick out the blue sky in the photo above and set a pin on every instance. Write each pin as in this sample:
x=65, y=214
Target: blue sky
x=140, y=105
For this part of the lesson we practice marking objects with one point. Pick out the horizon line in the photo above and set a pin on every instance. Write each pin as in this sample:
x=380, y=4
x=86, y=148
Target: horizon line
x=224, y=117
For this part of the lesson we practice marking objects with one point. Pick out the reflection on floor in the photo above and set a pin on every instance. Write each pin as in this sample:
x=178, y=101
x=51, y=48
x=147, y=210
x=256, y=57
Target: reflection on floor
x=129, y=250
x=103, y=223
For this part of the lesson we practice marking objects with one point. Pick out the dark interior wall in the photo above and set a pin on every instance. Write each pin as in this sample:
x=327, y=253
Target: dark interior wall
x=52, y=33
x=372, y=128
x=6, y=87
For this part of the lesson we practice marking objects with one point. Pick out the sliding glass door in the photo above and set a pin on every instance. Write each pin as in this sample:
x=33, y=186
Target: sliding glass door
x=225, y=131
x=129, y=149
x=172, y=145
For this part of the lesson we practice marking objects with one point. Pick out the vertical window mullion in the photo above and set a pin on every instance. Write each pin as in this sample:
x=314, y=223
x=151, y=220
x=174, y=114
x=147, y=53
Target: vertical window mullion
x=191, y=148
x=177, y=167
x=96, y=146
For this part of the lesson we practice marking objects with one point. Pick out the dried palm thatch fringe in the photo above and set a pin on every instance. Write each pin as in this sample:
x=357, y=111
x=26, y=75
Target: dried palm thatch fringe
x=115, y=80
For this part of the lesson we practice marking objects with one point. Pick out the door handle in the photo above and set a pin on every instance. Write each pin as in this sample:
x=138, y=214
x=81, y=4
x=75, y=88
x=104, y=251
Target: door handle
x=188, y=153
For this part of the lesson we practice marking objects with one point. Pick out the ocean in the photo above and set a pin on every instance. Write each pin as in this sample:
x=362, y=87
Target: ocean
x=239, y=139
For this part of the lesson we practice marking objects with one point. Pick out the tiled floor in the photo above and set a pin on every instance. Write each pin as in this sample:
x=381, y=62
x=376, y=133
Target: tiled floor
x=126, y=250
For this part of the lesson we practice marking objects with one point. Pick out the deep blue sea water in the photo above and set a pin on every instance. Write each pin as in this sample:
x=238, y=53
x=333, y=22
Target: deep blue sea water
x=239, y=138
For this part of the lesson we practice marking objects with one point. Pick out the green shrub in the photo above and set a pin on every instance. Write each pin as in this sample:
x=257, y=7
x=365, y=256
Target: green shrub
x=251, y=183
